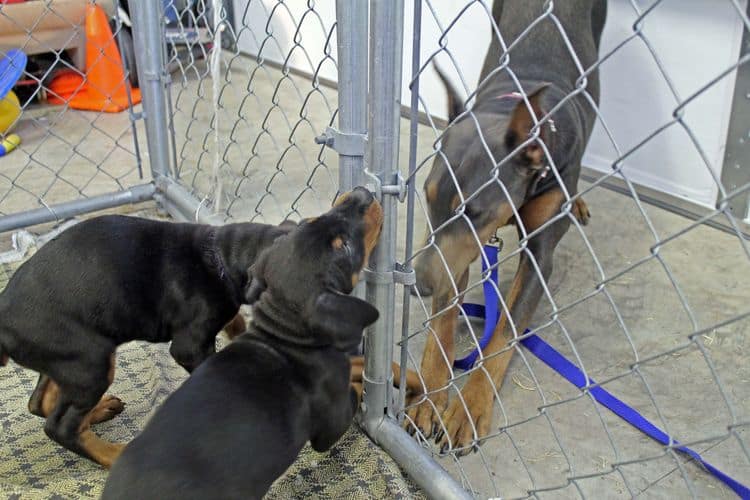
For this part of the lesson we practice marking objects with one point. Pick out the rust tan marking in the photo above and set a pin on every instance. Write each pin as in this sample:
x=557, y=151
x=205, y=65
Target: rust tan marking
x=49, y=398
x=102, y=452
x=478, y=394
x=431, y=192
x=341, y=199
x=539, y=210
x=460, y=249
x=107, y=409
x=235, y=327
x=521, y=123
x=112, y=364
x=434, y=369
x=338, y=243
x=373, y=225
x=413, y=384
x=455, y=202
x=581, y=211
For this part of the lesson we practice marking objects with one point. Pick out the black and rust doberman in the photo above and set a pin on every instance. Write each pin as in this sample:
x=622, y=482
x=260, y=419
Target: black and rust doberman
x=110, y=280
x=541, y=62
x=242, y=417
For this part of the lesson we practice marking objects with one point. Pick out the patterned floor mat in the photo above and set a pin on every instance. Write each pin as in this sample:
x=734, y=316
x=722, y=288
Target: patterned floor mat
x=33, y=467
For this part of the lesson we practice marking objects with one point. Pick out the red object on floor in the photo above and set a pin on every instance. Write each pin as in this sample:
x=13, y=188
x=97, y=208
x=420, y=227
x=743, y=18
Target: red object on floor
x=103, y=88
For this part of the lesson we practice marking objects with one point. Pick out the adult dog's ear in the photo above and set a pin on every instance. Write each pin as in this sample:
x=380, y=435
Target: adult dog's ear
x=455, y=104
x=342, y=318
x=521, y=123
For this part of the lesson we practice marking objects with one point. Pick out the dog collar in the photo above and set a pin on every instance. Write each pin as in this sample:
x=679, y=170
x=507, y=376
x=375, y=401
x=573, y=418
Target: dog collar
x=218, y=261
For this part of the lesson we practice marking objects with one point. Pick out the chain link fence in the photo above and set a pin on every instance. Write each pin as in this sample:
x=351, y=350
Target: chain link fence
x=63, y=154
x=649, y=306
x=243, y=122
x=248, y=98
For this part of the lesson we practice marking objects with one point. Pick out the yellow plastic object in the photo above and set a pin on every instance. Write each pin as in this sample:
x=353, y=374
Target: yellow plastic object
x=10, y=109
x=8, y=144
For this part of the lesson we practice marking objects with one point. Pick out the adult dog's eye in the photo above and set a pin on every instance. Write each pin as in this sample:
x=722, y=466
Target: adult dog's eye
x=470, y=212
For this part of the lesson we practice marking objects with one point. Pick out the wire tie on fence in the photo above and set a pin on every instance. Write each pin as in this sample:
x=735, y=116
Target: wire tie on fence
x=549, y=356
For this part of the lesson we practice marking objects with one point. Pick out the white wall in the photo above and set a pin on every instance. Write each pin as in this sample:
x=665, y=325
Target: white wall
x=694, y=39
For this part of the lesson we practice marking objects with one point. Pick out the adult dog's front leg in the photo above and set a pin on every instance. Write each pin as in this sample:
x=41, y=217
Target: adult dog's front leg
x=469, y=417
x=437, y=360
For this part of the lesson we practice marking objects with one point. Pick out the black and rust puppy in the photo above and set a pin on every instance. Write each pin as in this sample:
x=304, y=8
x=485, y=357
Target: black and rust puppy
x=110, y=280
x=242, y=417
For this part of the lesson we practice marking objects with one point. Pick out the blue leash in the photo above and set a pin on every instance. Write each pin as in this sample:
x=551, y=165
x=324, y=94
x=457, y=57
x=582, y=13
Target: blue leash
x=571, y=373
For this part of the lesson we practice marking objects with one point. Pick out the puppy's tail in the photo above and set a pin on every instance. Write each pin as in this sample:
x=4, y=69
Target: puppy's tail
x=455, y=103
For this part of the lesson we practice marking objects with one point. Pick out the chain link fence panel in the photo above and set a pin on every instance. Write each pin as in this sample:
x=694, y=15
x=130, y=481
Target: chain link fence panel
x=60, y=146
x=248, y=99
x=648, y=305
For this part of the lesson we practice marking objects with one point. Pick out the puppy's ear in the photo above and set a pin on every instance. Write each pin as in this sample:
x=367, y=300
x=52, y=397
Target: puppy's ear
x=255, y=286
x=521, y=123
x=341, y=318
x=288, y=225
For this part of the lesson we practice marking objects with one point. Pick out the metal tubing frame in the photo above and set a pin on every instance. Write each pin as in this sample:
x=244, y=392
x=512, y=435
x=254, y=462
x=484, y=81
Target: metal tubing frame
x=351, y=36
x=61, y=211
x=386, y=47
x=148, y=41
x=735, y=172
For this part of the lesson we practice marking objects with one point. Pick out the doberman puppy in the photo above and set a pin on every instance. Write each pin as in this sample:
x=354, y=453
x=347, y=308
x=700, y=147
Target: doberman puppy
x=242, y=417
x=110, y=280
x=528, y=194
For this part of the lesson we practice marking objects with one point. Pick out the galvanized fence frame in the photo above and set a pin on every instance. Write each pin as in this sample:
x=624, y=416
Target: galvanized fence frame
x=57, y=170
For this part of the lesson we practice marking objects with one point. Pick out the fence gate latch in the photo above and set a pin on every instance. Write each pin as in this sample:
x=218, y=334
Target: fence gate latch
x=343, y=143
x=396, y=188
x=400, y=275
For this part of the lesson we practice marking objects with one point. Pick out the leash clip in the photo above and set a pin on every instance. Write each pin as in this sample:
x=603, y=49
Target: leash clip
x=496, y=241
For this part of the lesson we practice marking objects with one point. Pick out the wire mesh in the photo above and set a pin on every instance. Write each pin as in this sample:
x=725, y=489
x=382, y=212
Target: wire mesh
x=650, y=305
x=249, y=96
x=65, y=153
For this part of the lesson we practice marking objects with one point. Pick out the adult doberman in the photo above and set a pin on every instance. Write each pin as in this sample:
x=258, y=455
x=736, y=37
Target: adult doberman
x=523, y=142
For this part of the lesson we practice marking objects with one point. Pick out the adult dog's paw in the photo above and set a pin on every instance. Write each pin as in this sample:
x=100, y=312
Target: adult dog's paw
x=467, y=420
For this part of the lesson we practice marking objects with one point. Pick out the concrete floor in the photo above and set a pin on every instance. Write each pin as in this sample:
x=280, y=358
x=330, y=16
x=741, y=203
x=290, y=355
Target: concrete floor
x=269, y=168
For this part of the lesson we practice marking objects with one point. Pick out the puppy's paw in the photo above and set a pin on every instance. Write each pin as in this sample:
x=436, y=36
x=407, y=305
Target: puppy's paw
x=107, y=409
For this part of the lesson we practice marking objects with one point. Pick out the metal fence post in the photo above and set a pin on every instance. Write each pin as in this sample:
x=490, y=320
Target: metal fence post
x=386, y=29
x=148, y=40
x=351, y=31
x=386, y=48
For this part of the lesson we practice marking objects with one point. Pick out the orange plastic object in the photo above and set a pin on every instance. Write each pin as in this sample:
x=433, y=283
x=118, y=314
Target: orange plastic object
x=104, y=86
